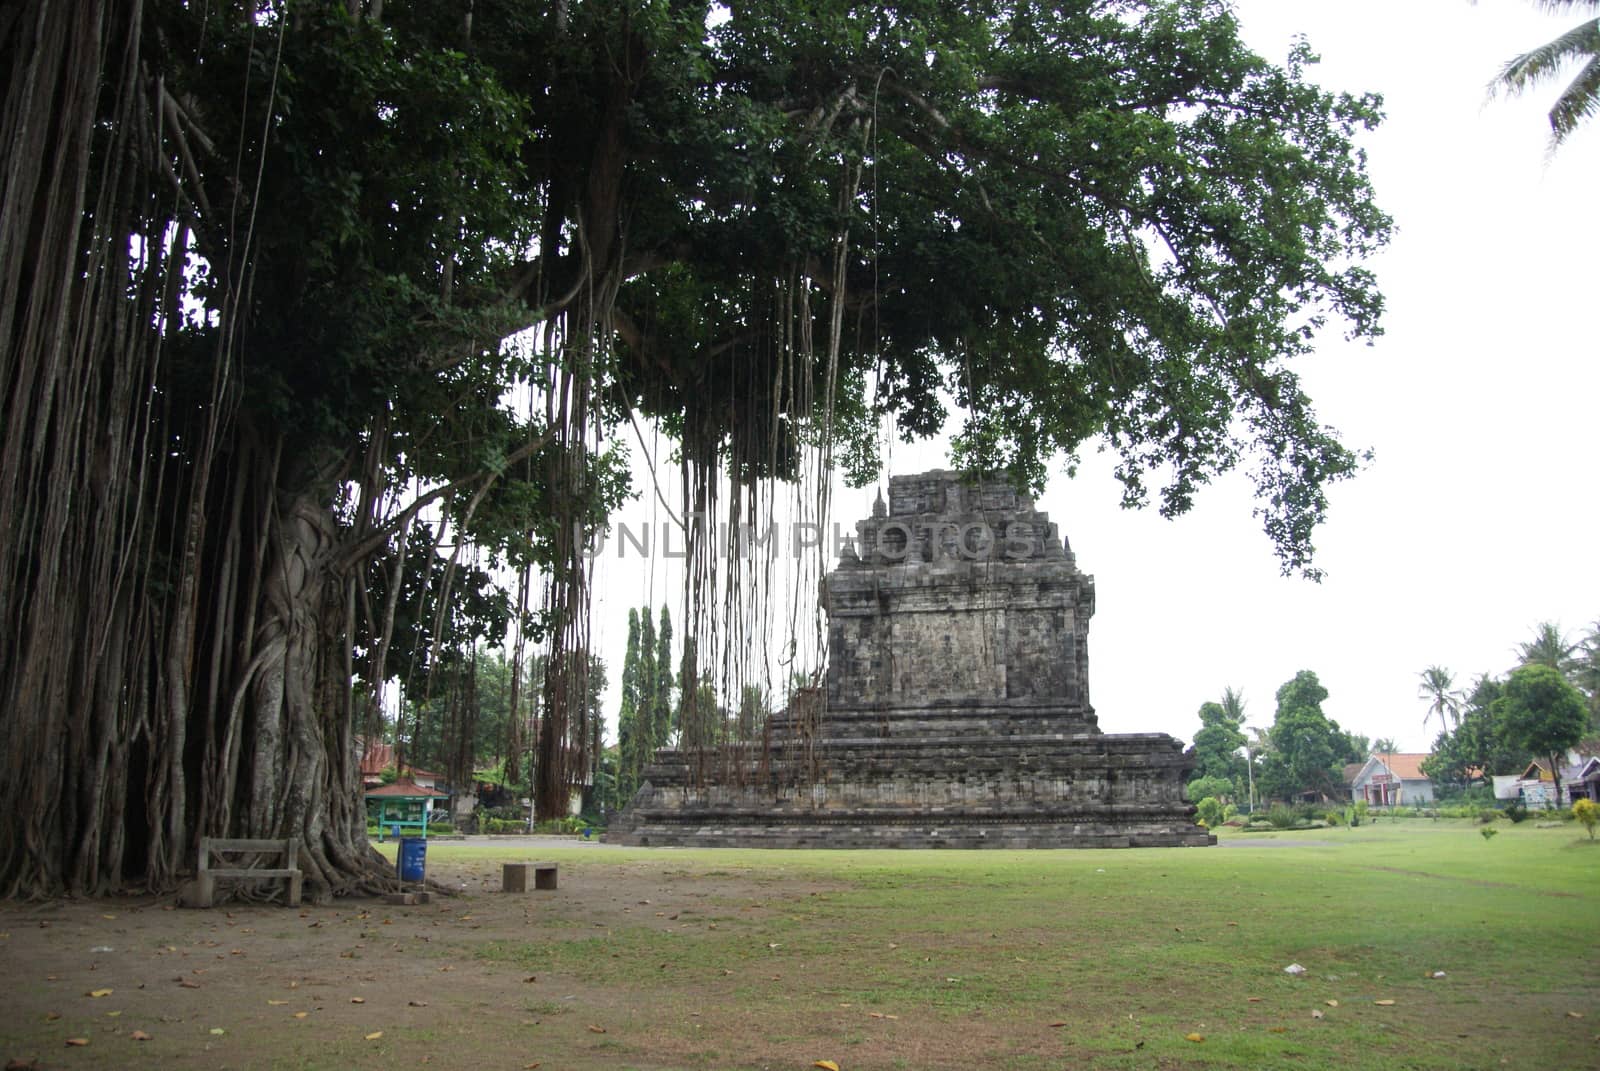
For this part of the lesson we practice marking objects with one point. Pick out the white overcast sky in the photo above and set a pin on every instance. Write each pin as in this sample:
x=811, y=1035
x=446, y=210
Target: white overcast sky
x=1478, y=517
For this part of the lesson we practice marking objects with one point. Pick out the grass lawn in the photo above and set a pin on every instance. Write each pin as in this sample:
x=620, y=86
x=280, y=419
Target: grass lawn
x=669, y=958
x=1118, y=958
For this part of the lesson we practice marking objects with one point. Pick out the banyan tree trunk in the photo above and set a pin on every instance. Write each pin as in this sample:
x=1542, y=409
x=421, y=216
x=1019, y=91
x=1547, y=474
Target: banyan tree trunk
x=301, y=777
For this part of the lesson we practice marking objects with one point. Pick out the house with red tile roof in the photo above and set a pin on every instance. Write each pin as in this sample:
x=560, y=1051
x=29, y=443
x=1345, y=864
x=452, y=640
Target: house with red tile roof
x=378, y=757
x=1393, y=779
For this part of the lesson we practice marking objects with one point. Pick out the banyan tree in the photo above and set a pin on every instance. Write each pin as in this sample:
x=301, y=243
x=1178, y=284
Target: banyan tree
x=299, y=298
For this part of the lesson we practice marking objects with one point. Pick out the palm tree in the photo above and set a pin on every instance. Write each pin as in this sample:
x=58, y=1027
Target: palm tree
x=1233, y=707
x=1257, y=742
x=1580, y=100
x=1586, y=673
x=1438, y=685
x=1549, y=647
x=1233, y=704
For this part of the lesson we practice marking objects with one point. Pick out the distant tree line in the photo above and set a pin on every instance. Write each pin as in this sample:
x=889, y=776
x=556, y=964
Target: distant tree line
x=658, y=709
x=1548, y=703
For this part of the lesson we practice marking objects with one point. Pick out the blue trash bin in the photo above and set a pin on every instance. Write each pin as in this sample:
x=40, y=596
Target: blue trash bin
x=413, y=858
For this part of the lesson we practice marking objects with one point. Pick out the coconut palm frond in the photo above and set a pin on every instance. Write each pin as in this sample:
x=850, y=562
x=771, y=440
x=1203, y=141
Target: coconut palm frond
x=1542, y=63
x=1561, y=7
x=1579, y=101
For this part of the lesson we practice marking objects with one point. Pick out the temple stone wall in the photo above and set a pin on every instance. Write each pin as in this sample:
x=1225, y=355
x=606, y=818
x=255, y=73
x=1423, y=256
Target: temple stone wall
x=956, y=705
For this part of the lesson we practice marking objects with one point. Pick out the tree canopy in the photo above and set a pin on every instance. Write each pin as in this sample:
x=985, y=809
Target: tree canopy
x=1308, y=747
x=1217, y=745
x=275, y=250
x=1542, y=714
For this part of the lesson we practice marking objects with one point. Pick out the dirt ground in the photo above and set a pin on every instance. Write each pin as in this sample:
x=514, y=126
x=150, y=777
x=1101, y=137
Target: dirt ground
x=142, y=982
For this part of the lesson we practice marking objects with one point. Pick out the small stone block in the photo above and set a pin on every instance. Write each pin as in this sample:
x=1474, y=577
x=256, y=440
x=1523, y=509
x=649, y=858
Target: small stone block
x=405, y=899
x=514, y=876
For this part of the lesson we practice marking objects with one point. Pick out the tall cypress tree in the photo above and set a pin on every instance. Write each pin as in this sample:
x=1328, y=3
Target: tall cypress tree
x=647, y=695
x=628, y=742
x=661, y=722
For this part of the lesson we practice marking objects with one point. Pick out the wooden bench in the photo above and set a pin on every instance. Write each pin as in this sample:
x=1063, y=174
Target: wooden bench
x=206, y=879
x=514, y=876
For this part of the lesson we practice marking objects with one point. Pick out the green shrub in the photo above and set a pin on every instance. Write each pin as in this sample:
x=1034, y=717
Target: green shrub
x=1308, y=812
x=1488, y=832
x=515, y=812
x=1334, y=818
x=1487, y=815
x=1517, y=811
x=1282, y=817
x=1209, y=811
x=1587, y=812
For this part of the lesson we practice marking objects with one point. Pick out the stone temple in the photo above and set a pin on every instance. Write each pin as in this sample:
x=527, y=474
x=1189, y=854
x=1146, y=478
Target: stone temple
x=956, y=711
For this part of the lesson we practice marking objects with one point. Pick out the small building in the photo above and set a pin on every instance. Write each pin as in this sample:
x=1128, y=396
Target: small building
x=1393, y=780
x=405, y=804
x=378, y=757
x=1580, y=779
x=1348, y=775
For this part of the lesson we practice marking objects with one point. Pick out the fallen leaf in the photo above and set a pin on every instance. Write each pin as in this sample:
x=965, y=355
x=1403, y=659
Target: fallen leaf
x=1277, y=1029
x=186, y=984
x=77, y=1042
x=51, y=1017
x=1252, y=1000
x=1574, y=1015
x=530, y=1067
x=113, y=1014
x=1384, y=1003
x=1194, y=1037
x=826, y=1065
x=301, y=1015
x=218, y=1031
x=1058, y=1022
x=1316, y=1013
x=596, y=1029
x=1331, y=1003
x=277, y=1003
x=417, y=1003
x=139, y=1035
x=358, y=1000
x=98, y=993
x=531, y=978
x=375, y=1035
